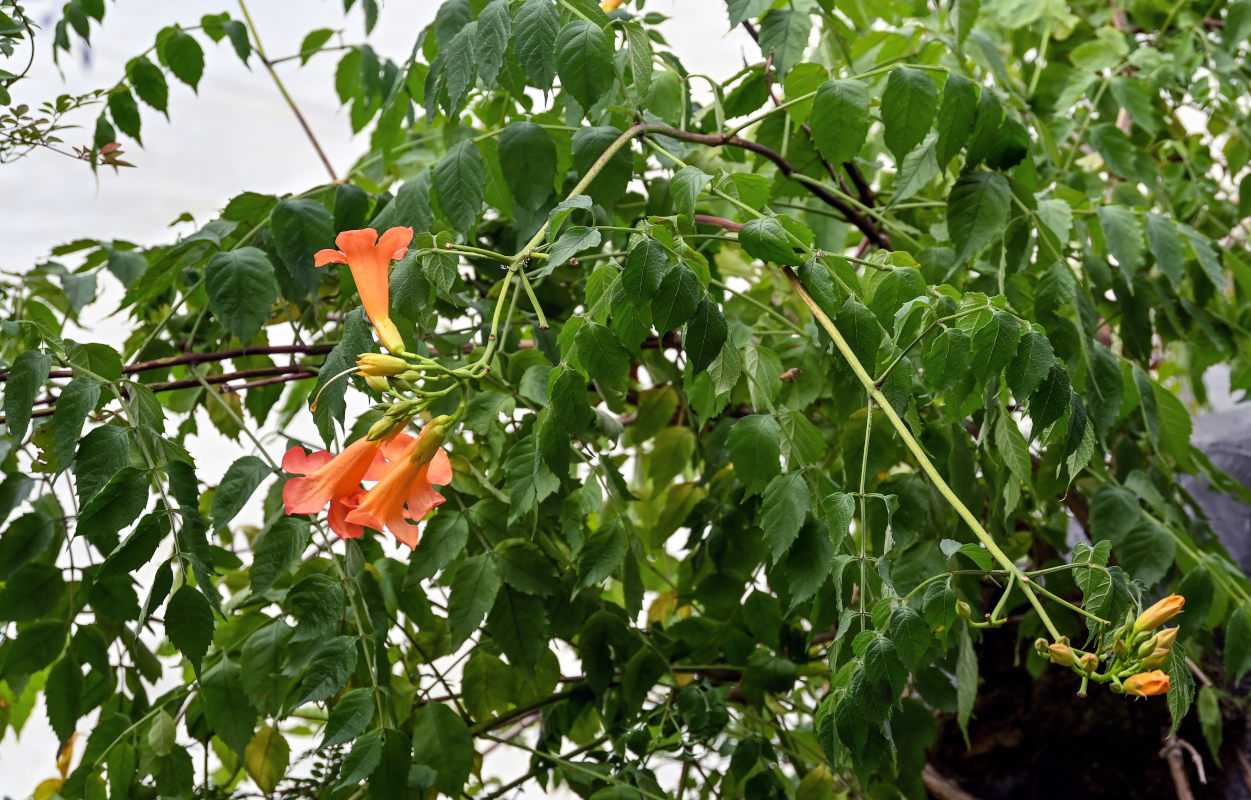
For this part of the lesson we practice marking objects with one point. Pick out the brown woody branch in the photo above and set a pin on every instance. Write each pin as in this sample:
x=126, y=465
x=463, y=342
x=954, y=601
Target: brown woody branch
x=853, y=216
x=202, y=358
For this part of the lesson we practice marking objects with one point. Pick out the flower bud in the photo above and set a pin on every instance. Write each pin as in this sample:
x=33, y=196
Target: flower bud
x=1156, y=659
x=1147, y=648
x=1166, y=637
x=381, y=428
x=381, y=364
x=1119, y=648
x=1147, y=684
x=1089, y=662
x=1062, y=654
x=389, y=335
x=430, y=440
x=964, y=609
x=1160, y=613
x=1040, y=647
x=377, y=383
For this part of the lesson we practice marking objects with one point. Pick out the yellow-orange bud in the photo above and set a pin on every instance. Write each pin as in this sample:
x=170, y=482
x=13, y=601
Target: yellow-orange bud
x=610, y=5
x=1089, y=662
x=1062, y=654
x=378, y=384
x=381, y=365
x=1160, y=613
x=1166, y=637
x=389, y=335
x=431, y=439
x=1147, y=684
x=1156, y=659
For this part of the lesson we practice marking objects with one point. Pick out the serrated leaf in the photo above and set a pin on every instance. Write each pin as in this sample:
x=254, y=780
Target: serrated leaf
x=766, y=239
x=189, y=623
x=183, y=54
x=946, y=362
x=955, y=116
x=784, y=34
x=995, y=343
x=527, y=157
x=460, y=181
x=755, y=450
x=706, y=334
x=523, y=566
x=676, y=299
x=241, y=290
x=266, y=758
x=840, y=119
x=1032, y=363
x=686, y=186
x=783, y=509
x=584, y=61
x=442, y=741
x=909, y=105
x=534, y=39
x=236, y=488
x=473, y=591
x=349, y=717
x=602, y=556
x=977, y=211
x=25, y=380
x=76, y=401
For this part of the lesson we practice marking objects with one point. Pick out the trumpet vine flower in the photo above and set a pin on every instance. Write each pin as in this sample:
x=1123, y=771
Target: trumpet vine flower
x=369, y=257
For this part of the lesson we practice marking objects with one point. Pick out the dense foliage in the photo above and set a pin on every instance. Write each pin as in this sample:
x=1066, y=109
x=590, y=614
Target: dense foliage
x=767, y=398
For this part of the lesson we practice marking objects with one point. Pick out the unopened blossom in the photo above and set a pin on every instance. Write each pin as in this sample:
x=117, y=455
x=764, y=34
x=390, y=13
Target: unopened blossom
x=1160, y=613
x=1147, y=684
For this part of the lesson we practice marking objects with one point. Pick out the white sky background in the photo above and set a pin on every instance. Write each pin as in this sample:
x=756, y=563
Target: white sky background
x=235, y=135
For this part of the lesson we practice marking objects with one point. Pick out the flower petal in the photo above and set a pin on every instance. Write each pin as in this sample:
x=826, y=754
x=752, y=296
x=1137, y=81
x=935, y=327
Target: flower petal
x=297, y=462
x=339, y=510
x=395, y=242
x=323, y=257
x=349, y=241
x=440, y=472
x=304, y=496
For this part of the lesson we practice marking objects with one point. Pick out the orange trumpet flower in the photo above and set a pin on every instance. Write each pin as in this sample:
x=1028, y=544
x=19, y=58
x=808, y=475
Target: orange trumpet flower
x=369, y=257
x=405, y=494
x=336, y=480
x=1146, y=684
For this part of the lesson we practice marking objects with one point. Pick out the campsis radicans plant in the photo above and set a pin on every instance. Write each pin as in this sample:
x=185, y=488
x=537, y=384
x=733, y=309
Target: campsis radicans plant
x=628, y=429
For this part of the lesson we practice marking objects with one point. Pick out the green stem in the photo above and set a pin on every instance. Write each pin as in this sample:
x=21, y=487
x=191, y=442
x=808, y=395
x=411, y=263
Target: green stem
x=918, y=453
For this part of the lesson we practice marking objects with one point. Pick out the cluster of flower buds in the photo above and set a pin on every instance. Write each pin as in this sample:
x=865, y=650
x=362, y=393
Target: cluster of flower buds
x=1131, y=655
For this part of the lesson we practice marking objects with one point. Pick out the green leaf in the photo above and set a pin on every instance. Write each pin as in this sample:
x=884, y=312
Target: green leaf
x=226, y=706
x=63, y=694
x=301, y=226
x=473, y=590
x=909, y=105
x=584, y=62
x=118, y=504
x=602, y=556
x=686, y=186
x=676, y=299
x=589, y=144
x=1050, y=400
x=534, y=40
x=995, y=343
x=1238, y=644
x=241, y=290
x=149, y=83
x=965, y=12
x=518, y=624
x=947, y=360
x=574, y=240
x=37, y=645
x=313, y=42
x=31, y=592
x=1124, y=236
x=911, y=636
x=182, y=54
x=783, y=509
x=25, y=381
x=125, y=112
x=329, y=671
x=23, y=542
x=1181, y=686
x=640, y=61
x=746, y=9
x=977, y=211
x=606, y=362
x=766, y=239
x=1146, y=552
x=859, y=327
x=645, y=269
x=330, y=404
x=785, y=35
x=364, y=757
x=189, y=623
x=528, y=160
x=755, y=449
x=277, y=550
x=966, y=681
x=808, y=563
x=236, y=488
x=705, y=335
x=349, y=717
x=1166, y=247
x=460, y=181
x=883, y=667
x=442, y=541
x=524, y=567
x=840, y=119
x=491, y=42
x=442, y=741
x=76, y=401
x=955, y=116
x=1033, y=361
x=266, y=758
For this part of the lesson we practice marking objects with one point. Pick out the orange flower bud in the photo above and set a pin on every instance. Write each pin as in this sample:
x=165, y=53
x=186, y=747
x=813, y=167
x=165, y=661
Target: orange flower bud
x=1089, y=662
x=610, y=5
x=1147, y=684
x=1159, y=613
x=1062, y=654
x=1156, y=659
